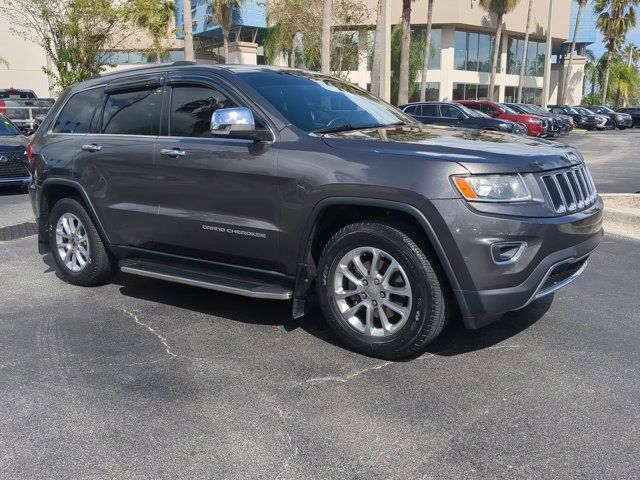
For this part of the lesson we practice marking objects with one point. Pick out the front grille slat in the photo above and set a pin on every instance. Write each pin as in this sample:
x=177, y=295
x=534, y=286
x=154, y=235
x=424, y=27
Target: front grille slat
x=570, y=190
x=13, y=166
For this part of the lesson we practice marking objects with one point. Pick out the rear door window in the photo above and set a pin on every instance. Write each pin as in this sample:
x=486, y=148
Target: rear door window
x=192, y=107
x=449, y=111
x=135, y=112
x=430, y=110
x=80, y=113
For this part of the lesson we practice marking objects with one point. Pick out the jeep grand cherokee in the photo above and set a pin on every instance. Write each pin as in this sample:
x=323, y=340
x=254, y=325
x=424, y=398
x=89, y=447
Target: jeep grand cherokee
x=273, y=182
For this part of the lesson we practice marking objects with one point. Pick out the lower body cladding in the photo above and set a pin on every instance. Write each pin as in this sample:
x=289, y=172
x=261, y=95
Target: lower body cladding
x=504, y=263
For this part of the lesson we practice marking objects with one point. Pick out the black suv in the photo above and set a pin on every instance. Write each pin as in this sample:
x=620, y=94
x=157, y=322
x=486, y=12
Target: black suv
x=273, y=182
x=456, y=115
x=621, y=120
x=634, y=113
x=582, y=121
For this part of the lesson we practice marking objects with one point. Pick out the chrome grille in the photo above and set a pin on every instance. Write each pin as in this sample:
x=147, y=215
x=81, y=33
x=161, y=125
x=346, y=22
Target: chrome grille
x=570, y=190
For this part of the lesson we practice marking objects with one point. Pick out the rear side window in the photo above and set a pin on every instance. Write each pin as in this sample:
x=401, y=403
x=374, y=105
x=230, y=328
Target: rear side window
x=133, y=112
x=191, y=110
x=80, y=113
x=450, y=112
x=429, y=110
x=488, y=109
x=411, y=110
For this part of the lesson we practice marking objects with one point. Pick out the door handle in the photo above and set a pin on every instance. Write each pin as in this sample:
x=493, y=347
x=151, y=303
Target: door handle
x=91, y=147
x=172, y=152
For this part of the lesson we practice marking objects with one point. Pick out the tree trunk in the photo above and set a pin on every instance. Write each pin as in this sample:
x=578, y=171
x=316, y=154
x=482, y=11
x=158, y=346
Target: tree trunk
x=496, y=56
x=377, y=51
x=605, y=83
x=403, y=80
x=225, y=46
x=427, y=53
x=523, y=64
x=188, y=31
x=325, y=49
x=567, y=74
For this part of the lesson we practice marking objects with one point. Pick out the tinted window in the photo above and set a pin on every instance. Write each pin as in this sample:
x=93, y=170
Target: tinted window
x=7, y=129
x=449, y=111
x=411, y=110
x=191, y=110
x=80, y=113
x=429, y=110
x=133, y=112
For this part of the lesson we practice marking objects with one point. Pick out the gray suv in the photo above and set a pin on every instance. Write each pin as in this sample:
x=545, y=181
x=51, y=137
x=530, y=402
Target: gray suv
x=278, y=183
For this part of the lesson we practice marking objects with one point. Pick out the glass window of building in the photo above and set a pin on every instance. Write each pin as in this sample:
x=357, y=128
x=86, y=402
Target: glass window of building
x=473, y=91
x=473, y=51
x=536, y=53
x=529, y=95
x=419, y=34
x=433, y=92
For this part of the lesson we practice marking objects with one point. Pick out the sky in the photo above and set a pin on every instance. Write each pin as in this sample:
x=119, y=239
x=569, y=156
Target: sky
x=632, y=37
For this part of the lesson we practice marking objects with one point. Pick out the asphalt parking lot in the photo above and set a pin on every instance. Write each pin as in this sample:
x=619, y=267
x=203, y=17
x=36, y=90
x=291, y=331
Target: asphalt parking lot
x=146, y=379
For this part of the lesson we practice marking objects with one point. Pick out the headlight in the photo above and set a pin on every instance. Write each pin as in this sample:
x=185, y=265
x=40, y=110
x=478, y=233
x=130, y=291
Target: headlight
x=492, y=188
x=505, y=126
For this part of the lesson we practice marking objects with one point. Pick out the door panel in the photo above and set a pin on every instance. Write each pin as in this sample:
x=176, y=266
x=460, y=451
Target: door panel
x=218, y=196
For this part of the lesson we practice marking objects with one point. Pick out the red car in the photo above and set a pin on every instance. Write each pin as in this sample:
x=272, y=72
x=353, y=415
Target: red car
x=536, y=126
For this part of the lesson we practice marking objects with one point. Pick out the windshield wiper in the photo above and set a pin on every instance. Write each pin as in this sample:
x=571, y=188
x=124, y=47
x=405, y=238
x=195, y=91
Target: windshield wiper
x=347, y=126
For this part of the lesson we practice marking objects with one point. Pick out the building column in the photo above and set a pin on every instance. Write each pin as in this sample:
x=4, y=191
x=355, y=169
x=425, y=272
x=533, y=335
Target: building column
x=501, y=76
x=243, y=53
x=385, y=61
x=363, y=57
x=447, y=57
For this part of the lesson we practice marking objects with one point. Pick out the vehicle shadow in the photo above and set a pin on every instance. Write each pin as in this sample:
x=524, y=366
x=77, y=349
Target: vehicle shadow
x=454, y=340
x=11, y=190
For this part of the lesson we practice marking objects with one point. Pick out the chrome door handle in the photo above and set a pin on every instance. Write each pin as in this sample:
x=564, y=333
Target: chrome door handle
x=91, y=147
x=172, y=152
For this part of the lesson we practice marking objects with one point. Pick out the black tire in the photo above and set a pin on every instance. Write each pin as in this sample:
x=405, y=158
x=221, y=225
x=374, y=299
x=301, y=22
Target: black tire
x=429, y=307
x=621, y=127
x=100, y=266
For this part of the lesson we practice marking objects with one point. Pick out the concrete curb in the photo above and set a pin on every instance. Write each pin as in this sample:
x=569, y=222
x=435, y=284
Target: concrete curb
x=622, y=214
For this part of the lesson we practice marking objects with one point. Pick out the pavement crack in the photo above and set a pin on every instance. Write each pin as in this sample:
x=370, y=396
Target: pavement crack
x=292, y=446
x=351, y=376
x=161, y=338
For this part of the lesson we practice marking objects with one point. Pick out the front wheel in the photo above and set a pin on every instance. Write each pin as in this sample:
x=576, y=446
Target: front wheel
x=79, y=253
x=380, y=292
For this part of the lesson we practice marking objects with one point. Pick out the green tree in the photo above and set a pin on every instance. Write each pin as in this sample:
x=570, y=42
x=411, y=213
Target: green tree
x=414, y=63
x=523, y=63
x=155, y=17
x=567, y=72
x=615, y=19
x=223, y=14
x=73, y=33
x=499, y=8
x=591, y=71
x=625, y=82
x=632, y=53
x=427, y=52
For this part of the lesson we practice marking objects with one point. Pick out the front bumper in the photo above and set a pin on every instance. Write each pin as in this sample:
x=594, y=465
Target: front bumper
x=556, y=252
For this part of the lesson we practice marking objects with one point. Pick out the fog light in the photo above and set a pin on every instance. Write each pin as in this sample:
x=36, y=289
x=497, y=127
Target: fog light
x=507, y=253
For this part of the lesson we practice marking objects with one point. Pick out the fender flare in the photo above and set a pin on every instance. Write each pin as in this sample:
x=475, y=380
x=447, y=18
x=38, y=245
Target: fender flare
x=91, y=211
x=304, y=250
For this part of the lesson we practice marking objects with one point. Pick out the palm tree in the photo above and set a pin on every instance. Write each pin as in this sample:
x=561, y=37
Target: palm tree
x=632, y=53
x=567, y=71
x=188, y=31
x=403, y=92
x=325, y=48
x=615, y=19
x=591, y=71
x=427, y=52
x=499, y=8
x=523, y=63
x=155, y=17
x=223, y=15
x=377, y=51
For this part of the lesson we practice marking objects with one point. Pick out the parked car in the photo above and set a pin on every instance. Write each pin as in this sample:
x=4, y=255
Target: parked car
x=13, y=169
x=556, y=126
x=274, y=182
x=633, y=112
x=454, y=114
x=602, y=122
x=24, y=108
x=621, y=120
x=536, y=126
x=586, y=122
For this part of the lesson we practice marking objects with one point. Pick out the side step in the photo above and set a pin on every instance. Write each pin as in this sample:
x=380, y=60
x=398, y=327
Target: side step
x=223, y=280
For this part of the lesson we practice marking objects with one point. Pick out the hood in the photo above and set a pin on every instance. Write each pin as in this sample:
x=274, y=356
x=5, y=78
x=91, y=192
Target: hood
x=13, y=143
x=477, y=151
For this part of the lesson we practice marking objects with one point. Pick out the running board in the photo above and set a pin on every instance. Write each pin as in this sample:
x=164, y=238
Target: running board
x=223, y=281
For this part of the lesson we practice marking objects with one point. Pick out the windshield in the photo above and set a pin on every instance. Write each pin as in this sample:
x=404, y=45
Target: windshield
x=532, y=109
x=7, y=129
x=570, y=110
x=507, y=109
x=315, y=102
x=584, y=111
x=606, y=110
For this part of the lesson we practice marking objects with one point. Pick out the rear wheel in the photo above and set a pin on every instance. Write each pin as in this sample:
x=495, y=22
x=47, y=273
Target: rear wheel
x=78, y=251
x=380, y=292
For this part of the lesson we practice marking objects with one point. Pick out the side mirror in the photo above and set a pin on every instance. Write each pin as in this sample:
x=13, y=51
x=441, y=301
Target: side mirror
x=236, y=123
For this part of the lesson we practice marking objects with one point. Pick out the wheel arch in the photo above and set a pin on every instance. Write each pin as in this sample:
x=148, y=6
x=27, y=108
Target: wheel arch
x=51, y=191
x=316, y=233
